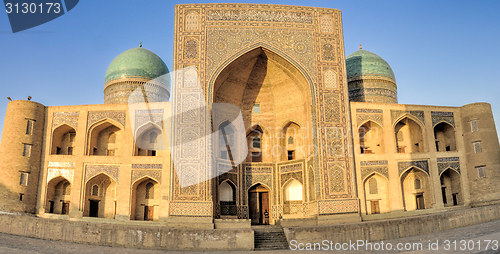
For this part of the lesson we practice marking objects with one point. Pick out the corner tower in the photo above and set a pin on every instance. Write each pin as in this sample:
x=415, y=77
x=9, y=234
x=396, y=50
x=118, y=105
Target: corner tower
x=370, y=78
x=136, y=68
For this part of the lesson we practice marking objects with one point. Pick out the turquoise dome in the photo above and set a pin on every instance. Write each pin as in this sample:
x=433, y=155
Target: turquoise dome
x=136, y=62
x=366, y=63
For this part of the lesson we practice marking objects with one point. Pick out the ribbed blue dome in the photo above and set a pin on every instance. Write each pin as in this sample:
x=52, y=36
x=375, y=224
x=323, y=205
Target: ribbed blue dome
x=366, y=63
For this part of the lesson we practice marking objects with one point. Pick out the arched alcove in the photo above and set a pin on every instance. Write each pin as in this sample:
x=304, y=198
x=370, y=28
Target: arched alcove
x=409, y=137
x=444, y=134
x=416, y=189
x=451, y=190
x=58, y=191
x=227, y=198
x=63, y=140
x=371, y=138
x=376, y=194
x=292, y=197
x=100, y=197
x=258, y=203
x=255, y=145
x=145, y=201
x=261, y=82
x=292, y=142
x=149, y=140
x=104, y=139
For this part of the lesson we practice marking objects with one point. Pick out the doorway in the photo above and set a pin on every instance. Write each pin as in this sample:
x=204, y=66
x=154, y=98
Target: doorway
x=94, y=208
x=65, y=208
x=375, y=206
x=420, y=201
x=258, y=203
x=148, y=212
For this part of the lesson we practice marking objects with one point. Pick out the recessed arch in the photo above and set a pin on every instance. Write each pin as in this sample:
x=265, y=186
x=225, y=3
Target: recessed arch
x=149, y=139
x=371, y=138
x=409, y=133
x=259, y=203
x=451, y=187
x=227, y=198
x=376, y=193
x=103, y=204
x=99, y=135
x=416, y=196
x=63, y=140
x=444, y=135
x=58, y=193
x=145, y=199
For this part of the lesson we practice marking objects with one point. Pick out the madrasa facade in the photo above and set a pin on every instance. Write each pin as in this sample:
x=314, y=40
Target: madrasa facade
x=323, y=136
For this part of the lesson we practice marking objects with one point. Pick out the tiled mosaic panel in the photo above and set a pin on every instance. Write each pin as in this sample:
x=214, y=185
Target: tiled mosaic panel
x=438, y=117
x=147, y=166
x=93, y=170
x=189, y=144
x=293, y=207
x=153, y=174
x=221, y=43
x=191, y=48
x=190, y=106
x=373, y=163
x=277, y=211
x=67, y=173
x=95, y=116
x=195, y=209
x=326, y=24
x=336, y=177
x=332, y=108
x=290, y=167
x=144, y=116
x=229, y=176
x=192, y=21
x=312, y=184
x=338, y=206
x=285, y=16
x=403, y=165
x=330, y=79
x=370, y=91
x=228, y=208
x=258, y=169
x=448, y=162
x=366, y=171
x=328, y=50
x=294, y=175
x=335, y=146
x=395, y=114
x=242, y=211
x=253, y=179
x=312, y=208
x=69, y=118
x=375, y=117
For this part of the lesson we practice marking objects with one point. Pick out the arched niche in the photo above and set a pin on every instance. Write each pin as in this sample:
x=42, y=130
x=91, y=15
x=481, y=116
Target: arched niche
x=58, y=196
x=104, y=139
x=292, y=142
x=416, y=189
x=149, y=140
x=100, y=197
x=371, y=138
x=451, y=190
x=259, y=203
x=261, y=82
x=293, y=198
x=409, y=137
x=145, y=200
x=376, y=194
x=227, y=198
x=444, y=135
x=227, y=140
x=255, y=142
x=63, y=140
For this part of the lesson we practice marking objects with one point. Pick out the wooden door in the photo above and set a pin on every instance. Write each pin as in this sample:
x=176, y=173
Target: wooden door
x=94, y=208
x=375, y=207
x=65, y=208
x=420, y=201
x=148, y=212
x=264, y=206
x=253, y=206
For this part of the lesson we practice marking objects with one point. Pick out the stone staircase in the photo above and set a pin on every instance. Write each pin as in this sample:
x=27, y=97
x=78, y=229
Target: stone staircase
x=269, y=237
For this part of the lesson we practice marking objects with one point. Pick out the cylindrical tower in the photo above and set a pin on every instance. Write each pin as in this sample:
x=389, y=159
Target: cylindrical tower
x=483, y=153
x=21, y=150
x=132, y=69
x=370, y=78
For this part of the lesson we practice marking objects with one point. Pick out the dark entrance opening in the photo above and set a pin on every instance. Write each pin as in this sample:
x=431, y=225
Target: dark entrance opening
x=94, y=208
x=51, y=209
x=420, y=201
x=148, y=212
x=258, y=203
x=455, y=198
x=65, y=208
x=443, y=193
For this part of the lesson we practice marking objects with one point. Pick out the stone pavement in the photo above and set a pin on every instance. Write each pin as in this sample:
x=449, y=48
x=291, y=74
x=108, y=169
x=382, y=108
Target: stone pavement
x=477, y=234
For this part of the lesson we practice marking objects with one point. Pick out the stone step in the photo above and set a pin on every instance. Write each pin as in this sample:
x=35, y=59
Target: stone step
x=269, y=238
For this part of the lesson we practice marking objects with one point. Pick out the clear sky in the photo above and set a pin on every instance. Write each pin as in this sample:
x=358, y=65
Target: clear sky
x=443, y=53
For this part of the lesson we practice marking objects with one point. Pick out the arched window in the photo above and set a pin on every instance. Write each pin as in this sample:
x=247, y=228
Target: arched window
x=417, y=184
x=290, y=140
x=256, y=142
x=95, y=190
x=373, y=186
x=152, y=137
x=150, y=191
x=67, y=188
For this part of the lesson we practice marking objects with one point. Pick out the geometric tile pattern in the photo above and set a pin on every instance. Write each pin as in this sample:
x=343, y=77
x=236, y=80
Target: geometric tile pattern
x=195, y=209
x=334, y=145
x=395, y=114
x=153, y=174
x=148, y=166
x=328, y=50
x=377, y=117
x=338, y=206
x=438, y=117
x=242, y=212
x=93, y=170
x=330, y=79
x=144, y=116
x=403, y=165
x=365, y=171
x=326, y=24
x=449, y=162
x=94, y=116
x=69, y=118
x=332, y=108
x=337, y=177
x=192, y=21
x=191, y=49
x=295, y=175
x=295, y=166
x=373, y=163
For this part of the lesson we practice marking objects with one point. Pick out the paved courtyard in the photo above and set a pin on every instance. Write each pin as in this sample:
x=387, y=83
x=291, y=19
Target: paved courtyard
x=472, y=236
